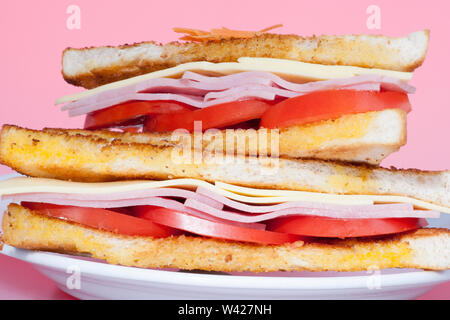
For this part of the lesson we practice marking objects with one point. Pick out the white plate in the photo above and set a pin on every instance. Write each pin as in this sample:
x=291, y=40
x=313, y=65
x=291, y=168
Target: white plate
x=90, y=279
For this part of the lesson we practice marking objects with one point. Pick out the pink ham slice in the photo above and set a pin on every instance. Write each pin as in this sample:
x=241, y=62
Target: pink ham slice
x=388, y=83
x=252, y=218
x=111, y=200
x=203, y=91
x=160, y=85
x=193, y=101
x=69, y=200
x=398, y=210
x=265, y=93
x=209, y=205
x=351, y=210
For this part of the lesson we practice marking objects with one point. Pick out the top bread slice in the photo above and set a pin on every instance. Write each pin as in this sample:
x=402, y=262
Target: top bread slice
x=95, y=66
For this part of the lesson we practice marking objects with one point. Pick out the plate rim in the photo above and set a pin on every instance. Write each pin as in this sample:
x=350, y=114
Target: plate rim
x=144, y=276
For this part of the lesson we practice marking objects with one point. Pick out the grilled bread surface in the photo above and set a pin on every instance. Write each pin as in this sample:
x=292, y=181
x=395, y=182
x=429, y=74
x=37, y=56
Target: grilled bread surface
x=92, y=67
x=424, y=248
x=64, y=155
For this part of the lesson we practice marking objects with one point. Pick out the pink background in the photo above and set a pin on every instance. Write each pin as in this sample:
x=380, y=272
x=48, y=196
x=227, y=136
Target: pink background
x=34, y=34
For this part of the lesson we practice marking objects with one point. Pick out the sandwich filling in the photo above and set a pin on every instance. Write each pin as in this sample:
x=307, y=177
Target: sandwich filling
x=245, y=99
x=161, y=221
x=195, y=207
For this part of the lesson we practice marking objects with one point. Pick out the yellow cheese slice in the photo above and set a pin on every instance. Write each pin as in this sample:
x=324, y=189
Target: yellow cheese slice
x=316, y=196
x=37, y=185
x=294, y=71
x=247, y=195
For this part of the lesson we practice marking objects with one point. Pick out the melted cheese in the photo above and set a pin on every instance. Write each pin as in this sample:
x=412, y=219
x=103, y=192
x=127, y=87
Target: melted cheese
x=290, y=70
x=247, y=195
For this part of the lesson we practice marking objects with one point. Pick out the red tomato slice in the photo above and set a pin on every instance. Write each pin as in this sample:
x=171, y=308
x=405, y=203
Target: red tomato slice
x=331, y=104
x=129, y=110
x=103, y=219
x=217, y=116
x=186, y=222
x=315, y=226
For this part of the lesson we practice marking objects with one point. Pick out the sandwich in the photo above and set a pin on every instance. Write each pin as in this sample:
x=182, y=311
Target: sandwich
x=231, y=151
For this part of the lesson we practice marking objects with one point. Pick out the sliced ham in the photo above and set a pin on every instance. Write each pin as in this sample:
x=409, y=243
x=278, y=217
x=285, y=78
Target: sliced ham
x=202, y=91
x=233, y=80
x=120, y=203
x=358, y=211
x=246, y=217
x=164, y=85
x=388, y=83
x=250, y=91
x=194, y=101
x=255, y=91
x=112, y=200
x=160, y=85
x=134, y=198
x=209, y=205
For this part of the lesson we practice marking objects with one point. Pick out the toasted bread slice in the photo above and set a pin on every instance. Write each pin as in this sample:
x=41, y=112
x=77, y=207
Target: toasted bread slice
x=423, y=248
x=366, y=137
x=92, y=67
x=77, y=157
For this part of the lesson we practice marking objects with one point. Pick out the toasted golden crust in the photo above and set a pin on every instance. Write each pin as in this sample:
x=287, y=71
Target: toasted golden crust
x=424, y=248
x=83, y=67
x=61, y=155
x=366, y=137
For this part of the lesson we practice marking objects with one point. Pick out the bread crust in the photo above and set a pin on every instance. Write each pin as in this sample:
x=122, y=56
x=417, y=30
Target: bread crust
x=58, y=154
x=81, y=67
x=29, y=230
x=365, y=137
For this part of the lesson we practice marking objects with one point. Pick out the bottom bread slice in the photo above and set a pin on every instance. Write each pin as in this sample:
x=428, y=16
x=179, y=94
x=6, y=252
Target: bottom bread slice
x=427, y=248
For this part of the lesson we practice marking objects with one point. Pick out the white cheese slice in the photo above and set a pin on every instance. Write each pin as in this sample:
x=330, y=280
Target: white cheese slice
x=243, y=194
x=294, y=71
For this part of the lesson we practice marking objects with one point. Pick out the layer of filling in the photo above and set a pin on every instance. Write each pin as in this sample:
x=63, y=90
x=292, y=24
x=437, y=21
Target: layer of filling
x=162, y=212
x=251, y=99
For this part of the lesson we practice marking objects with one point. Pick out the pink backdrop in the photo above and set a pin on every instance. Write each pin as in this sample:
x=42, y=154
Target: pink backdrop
x=34, y=34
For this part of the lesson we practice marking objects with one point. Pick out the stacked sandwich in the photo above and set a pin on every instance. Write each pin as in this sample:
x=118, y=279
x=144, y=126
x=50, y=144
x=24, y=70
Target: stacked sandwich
x=232, y=151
